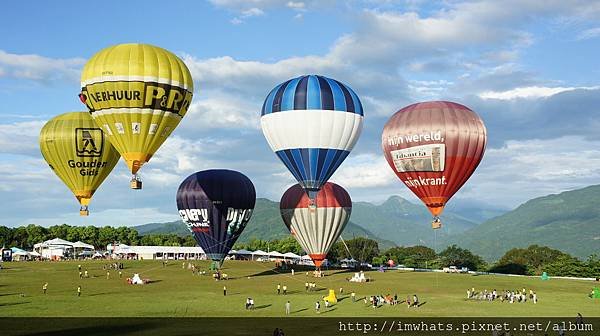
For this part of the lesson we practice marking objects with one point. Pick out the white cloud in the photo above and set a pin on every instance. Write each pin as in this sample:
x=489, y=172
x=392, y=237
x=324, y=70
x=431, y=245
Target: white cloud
x=530, y=92
x=236, y=21
x=367, y=170
x=40, y=68
x=522, y=170
x=296, y=5
x=20, y=137
x=589, y=34
x=252, y=12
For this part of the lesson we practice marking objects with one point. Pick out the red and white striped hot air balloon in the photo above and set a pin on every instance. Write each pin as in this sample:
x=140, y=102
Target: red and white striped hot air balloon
x=316, y=227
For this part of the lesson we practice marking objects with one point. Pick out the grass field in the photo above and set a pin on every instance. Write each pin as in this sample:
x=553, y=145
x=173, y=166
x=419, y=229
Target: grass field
x=176, y=292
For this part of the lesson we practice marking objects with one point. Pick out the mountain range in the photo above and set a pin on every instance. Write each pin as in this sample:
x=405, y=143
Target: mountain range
x=567, y=221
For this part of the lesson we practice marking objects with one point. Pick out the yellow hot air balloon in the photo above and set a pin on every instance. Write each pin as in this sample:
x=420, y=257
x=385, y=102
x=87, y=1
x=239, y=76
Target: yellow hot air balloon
x=78, y=152
x=138, y=94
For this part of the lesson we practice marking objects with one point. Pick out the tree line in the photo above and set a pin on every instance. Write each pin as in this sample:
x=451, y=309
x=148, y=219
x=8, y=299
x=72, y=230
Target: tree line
x=533, y=260
x=26, y=236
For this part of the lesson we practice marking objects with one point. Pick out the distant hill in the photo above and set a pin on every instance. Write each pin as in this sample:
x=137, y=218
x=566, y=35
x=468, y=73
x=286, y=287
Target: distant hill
x=398, y=220
x=406, y=223
x=568, y=221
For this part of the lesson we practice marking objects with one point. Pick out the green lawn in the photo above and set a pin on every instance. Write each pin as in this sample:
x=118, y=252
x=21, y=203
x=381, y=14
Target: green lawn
x=176, y=292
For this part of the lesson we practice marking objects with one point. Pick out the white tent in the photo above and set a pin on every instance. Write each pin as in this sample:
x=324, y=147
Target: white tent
x=291, y=255
x=79, y=244
x=276, y=254
x=242, y=251
x=58, y=241
x=259, y=253
x=34, y=254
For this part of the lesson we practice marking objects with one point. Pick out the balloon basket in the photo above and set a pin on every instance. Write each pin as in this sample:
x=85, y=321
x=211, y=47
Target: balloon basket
x=215, y=266
x=83, y=212
x=436, y=224
x=135, y=183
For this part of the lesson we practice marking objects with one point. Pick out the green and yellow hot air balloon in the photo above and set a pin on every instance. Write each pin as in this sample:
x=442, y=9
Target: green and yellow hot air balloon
x=137, y=93
x=78, y=152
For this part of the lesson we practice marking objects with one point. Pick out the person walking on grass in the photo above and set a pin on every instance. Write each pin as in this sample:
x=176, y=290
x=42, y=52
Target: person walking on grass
x=318, y=307
x=353, y=295
x=408, y=301
x=284, y=290
x=78, y=291
x=287, y=308
x=120, y=274
x=80, y=275
x=45, y=287
x=278, y=289
x=107, y=275
x=306, y=286
x=224, y=290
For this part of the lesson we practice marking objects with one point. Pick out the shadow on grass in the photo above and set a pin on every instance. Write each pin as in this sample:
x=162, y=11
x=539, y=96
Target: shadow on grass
x=299, y=310
x=13, y=303
x=7, y=294
x=325, y=311
x=107, y=329
x=266, y=272
x=422, y=303
x=263, y=306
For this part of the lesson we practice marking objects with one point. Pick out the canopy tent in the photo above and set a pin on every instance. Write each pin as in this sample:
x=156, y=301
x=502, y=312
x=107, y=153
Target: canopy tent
x=259, y=253
x=291, y=255
x=242, y=251
x=79, y=244
x=58, y=241
x=34, y=254
x=276, y=254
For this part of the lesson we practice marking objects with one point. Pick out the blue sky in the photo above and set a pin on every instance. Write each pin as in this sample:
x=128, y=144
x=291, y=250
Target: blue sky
x=529, y=68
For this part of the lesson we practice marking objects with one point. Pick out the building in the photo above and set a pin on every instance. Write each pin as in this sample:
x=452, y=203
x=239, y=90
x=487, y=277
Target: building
x=156, y=252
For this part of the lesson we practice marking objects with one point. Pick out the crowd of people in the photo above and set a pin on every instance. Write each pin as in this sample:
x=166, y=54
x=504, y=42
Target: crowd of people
x=511, y=296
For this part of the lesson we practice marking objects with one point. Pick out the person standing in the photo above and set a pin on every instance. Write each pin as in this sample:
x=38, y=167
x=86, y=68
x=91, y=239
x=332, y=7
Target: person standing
x=353, y=295
x=292, y=272
x=278, y=289
x=318, y=307
x=107, y=275
x=78, y=291
x=85, y=274
x=120, y=274
x=306, y=286
x=45, y=287
x=287, y=308
x=284, y=290
x=224, y=290
x=80, y=275
x=79, y=267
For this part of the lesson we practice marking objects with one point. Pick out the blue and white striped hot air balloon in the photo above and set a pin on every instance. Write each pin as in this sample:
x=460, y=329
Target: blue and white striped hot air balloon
x=312, y=122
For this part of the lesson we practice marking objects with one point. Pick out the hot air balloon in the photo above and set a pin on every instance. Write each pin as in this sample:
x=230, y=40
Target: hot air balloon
x=216, y=205
x=434, y=147
x=312, y=123
x=78, y=153
x=316, y=227
x=138, y=94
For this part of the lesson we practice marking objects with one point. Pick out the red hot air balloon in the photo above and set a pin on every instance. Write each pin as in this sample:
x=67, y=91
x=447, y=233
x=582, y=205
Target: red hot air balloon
x=316, y=226
x=434, y=147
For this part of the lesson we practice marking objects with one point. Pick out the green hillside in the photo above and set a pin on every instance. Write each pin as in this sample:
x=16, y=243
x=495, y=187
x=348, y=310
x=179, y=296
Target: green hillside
x=568, y=221
x=265, y=224
x=406, y=223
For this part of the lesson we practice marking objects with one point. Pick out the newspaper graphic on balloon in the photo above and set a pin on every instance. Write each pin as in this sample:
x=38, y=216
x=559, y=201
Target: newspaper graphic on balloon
x=424, y=158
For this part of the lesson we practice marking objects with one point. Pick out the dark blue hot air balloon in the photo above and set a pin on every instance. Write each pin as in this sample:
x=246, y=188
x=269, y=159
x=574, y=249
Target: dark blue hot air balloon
x=216, y=205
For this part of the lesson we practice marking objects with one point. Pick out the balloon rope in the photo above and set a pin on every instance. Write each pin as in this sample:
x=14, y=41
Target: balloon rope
x=435, y=249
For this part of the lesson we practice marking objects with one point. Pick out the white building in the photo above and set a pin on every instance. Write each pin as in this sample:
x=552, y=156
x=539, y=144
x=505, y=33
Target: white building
x=156, y=252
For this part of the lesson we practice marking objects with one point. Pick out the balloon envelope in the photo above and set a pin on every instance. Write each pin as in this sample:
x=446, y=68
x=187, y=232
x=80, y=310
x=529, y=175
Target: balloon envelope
x=312, y=123
x=216, y=205
x=318, y=226
x=434, y=147
x=78, y=153
x=138, y=94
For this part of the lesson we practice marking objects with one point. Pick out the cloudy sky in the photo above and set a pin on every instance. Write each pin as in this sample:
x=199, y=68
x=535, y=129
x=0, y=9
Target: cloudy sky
x=529, y=68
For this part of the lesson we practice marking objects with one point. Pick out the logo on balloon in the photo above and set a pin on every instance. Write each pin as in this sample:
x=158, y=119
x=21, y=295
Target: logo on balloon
x=89, y=142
